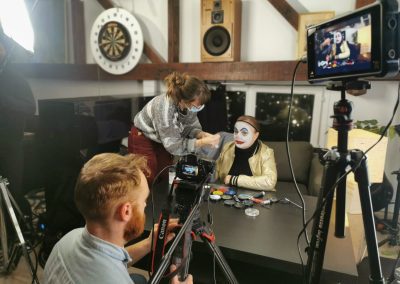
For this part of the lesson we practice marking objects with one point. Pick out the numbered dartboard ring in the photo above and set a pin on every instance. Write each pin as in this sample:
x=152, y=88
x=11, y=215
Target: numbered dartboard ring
x=116, y=41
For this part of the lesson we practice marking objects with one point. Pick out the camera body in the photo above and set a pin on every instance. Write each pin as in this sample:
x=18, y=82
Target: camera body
x=193, y=173
x=363, y=43
x=190, y=168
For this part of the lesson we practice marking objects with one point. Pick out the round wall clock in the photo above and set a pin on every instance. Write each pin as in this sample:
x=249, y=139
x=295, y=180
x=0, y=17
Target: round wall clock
x=116, y=41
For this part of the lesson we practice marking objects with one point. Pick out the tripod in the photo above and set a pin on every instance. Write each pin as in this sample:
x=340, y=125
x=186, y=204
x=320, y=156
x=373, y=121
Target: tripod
x=393, y=227
x=192, y=224
x=335, y=163
x=19, y=249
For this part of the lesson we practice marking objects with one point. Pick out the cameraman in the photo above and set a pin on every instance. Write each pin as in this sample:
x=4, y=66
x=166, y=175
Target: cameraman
x=17, y=104
x=168, y=124
x=111, y=194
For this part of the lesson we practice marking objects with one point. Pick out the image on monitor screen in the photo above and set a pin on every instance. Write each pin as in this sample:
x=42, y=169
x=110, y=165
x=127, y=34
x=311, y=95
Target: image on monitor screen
x=344, y=48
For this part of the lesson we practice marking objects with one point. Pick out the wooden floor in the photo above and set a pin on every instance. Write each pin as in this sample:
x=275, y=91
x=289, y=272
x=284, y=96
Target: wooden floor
x=22, y=274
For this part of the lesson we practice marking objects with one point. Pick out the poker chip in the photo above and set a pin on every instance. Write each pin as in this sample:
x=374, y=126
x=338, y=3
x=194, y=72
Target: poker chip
x=248, y=203
x=215, y=197
x=223, y=189
x=244, y=196
x=218, y=192
x=226, y=197
x=239, y=205
x=230, y=192
x=229, y=202
x=252, y=212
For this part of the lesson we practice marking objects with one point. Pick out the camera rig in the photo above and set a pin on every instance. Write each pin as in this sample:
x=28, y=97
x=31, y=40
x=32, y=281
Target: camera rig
x=190, y=190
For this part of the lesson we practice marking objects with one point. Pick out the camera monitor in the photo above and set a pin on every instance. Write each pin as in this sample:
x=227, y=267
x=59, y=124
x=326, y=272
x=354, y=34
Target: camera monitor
x=359, y=44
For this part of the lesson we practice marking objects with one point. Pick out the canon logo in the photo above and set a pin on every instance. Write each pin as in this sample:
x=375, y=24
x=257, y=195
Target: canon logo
x=162, y=229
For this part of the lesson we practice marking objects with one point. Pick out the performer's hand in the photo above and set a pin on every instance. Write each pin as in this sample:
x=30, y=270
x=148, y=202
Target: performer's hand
x=227, y=179
x=175, y=280
x=210, y=141
x=203, y=134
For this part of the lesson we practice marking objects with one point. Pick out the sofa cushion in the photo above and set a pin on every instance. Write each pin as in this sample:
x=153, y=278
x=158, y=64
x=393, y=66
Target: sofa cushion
x=301, y=154
x=284, y=187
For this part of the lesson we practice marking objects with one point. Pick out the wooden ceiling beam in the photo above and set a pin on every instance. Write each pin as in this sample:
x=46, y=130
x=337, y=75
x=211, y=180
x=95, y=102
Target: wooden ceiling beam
x=362, y=3
x=149, y=51
x=78, y=31
x=152, y=54
x=106, y=4
x=287, y=12
x=213, y=71
x=173, y=30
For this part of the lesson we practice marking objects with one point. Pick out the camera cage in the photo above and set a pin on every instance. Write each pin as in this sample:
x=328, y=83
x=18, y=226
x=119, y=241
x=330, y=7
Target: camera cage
x=374, y=52
x=191, y=168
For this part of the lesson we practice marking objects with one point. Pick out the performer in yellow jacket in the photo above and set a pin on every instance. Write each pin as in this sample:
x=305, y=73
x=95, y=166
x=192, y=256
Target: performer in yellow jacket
x=246, y=161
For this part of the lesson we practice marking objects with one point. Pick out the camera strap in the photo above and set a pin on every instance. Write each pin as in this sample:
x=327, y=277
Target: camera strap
x=159, y=247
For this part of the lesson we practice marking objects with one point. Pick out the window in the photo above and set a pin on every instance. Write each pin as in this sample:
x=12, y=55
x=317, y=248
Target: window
x=272, y=112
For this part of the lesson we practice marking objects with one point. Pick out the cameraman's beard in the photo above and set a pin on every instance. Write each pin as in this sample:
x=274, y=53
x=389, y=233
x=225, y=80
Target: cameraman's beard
x=135, y=226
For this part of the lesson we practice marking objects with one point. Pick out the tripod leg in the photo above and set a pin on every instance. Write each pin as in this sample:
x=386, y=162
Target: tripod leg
x=395, y=218
x=316, y=251
x=4, y=240
x=361, y=177
x=6, y=197
x=220, y=259
x=340, y=204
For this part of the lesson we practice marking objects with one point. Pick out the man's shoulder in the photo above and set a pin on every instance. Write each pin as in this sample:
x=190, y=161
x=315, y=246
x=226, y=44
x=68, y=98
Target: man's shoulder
x=71, y=236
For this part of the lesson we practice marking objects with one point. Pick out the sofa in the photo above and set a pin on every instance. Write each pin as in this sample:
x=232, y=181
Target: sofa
x=305, y=159
x=306, y=166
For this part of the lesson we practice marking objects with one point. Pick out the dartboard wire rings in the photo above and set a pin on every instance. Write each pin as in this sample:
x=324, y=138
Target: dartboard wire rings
x=116, y=41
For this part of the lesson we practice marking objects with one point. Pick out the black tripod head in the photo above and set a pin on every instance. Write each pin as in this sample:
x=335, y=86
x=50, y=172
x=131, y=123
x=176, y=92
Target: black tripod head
x=342, y=121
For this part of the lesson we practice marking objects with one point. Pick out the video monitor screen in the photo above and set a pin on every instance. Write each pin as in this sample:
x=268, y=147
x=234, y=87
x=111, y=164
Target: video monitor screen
x=346, y=46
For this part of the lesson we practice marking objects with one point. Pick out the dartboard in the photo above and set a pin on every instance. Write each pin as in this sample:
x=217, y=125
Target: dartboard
x=116, y=41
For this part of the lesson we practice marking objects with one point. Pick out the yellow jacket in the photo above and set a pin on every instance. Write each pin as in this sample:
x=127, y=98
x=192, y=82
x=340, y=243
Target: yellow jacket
x=344, y=51
x=262, y=165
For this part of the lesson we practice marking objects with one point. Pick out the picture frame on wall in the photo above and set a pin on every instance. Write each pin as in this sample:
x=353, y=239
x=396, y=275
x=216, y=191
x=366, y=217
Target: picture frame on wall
x=306, y=20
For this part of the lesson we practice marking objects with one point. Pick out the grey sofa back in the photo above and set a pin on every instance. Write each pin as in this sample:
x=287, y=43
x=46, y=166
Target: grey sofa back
x=301, y=155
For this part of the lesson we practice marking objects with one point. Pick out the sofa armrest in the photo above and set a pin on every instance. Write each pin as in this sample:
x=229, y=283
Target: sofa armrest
x=315, y=177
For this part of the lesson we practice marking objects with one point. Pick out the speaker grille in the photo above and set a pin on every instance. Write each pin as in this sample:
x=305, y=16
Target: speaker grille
x=216, y=40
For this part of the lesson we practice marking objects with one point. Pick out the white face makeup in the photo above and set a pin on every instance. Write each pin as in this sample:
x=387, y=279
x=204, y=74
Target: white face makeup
x=244, y=135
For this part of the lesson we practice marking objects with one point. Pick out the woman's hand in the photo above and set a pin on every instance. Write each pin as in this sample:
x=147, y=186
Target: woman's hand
x=203, y=134
x=227, y=179
x=209, y=141
x=175, y=280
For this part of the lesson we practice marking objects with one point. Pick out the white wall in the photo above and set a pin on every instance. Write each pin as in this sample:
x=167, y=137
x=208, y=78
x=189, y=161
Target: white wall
x=266, y=35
